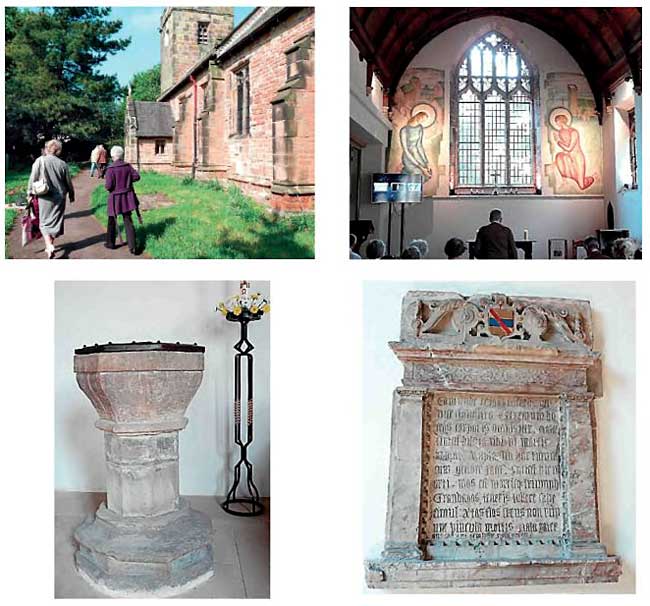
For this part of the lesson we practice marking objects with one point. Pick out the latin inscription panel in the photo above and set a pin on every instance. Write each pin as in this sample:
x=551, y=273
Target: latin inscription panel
x=491, y=467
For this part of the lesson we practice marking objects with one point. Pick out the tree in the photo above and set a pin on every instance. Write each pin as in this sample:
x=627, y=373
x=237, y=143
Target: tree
x=145, y=86
x=52, y=84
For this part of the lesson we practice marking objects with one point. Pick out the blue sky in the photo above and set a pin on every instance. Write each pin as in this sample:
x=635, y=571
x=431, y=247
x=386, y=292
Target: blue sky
x=141, y=24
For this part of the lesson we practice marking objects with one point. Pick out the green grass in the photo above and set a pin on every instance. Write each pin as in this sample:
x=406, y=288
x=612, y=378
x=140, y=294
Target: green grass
x=10, y=217
x=15, y=187
x=209, y=222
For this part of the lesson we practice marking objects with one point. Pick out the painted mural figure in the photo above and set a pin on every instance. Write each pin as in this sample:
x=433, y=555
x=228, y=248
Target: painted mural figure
x=411, y=136
x=570, y=162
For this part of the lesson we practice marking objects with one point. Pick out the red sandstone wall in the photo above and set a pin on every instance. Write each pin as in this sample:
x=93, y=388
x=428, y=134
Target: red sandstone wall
x=247, y=162
x=182, y=50
x=251, y=158
x=149, y=160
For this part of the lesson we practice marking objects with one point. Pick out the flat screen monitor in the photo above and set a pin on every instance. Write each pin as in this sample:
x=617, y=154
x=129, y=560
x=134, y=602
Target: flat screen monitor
x=396, y=187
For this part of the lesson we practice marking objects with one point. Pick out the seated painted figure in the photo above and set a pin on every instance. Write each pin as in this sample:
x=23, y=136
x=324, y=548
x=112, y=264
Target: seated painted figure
x=570, y=162
x=414, y=158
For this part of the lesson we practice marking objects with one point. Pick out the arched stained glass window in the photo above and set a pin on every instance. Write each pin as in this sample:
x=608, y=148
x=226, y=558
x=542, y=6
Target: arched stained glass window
x=494, y=118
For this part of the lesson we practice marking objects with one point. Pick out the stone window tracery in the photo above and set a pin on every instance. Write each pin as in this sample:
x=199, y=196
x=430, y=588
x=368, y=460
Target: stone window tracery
x=493, y=119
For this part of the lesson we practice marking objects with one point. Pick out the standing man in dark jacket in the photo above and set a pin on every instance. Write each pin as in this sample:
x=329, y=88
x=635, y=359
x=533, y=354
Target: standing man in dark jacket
x=102, y=160
x=495, y=241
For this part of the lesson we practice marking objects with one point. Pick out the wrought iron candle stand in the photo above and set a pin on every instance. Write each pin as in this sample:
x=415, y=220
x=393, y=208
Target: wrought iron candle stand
x=243, y=308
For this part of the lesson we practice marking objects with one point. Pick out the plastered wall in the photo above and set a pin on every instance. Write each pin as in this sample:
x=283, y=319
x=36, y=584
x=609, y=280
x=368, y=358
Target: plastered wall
x=97, y=312
x=627, y=202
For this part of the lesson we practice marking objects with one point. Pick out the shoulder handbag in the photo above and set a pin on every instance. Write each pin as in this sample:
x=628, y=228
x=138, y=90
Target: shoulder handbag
x=41, y=186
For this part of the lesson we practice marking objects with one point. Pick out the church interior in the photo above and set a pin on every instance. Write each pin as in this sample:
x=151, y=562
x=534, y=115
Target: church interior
x=534, y=111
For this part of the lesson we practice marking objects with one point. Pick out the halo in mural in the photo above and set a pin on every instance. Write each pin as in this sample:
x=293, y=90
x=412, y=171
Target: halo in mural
x=555, y=113
x=428, y=110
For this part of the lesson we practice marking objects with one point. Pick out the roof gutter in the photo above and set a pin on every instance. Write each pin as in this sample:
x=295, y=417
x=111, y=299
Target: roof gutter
x=261, y=28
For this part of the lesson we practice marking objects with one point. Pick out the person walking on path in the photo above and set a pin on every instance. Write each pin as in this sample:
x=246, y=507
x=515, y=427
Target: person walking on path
x=94, y=157
x=102, y=160
x=122, y=199
x=50, y=169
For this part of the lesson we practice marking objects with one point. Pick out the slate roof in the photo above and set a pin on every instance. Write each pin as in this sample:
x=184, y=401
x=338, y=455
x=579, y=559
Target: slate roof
x=248, y=28
x=154, y=119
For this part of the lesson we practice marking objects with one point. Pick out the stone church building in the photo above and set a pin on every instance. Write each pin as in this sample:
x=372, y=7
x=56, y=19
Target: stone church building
x=236, y=104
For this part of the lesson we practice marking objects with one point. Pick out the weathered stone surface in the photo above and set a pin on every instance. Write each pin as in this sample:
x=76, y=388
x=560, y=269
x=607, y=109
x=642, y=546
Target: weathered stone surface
x=492, y=468
x=429, y=574
x=135, y=392
x=152, y=555
x=145, y=540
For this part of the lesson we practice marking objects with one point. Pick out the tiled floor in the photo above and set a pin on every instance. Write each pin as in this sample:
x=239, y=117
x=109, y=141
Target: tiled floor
x=241, y=549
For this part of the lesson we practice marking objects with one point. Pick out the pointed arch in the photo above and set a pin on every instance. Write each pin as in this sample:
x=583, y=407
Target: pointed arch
x=494, y=119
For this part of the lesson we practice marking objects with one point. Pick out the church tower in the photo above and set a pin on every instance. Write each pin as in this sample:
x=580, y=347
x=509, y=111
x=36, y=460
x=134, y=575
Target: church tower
x=186, y=34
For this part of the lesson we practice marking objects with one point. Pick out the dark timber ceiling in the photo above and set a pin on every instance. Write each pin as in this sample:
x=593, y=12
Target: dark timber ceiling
x=605, y=42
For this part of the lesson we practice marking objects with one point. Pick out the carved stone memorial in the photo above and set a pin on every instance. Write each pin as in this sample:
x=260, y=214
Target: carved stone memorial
x=492, y=476
x=144, y=540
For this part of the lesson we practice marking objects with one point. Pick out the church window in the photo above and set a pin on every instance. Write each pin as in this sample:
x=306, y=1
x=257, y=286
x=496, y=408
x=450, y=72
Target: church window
x=160, y=147
x=242, y=109
x=202, y=33
x=631, y=121
x=493, y=121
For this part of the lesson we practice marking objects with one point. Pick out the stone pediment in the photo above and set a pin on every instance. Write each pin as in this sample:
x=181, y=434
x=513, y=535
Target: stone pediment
x=435, y=320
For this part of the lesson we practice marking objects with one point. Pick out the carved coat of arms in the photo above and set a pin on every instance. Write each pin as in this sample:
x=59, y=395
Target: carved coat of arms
x=501, y=320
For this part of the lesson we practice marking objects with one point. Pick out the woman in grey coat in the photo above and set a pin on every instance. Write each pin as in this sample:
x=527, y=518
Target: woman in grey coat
x=51, y=206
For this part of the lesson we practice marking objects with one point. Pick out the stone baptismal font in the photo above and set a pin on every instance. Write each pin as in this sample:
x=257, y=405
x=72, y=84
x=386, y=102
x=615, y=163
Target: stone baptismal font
x=492, y=477
x=144, y=540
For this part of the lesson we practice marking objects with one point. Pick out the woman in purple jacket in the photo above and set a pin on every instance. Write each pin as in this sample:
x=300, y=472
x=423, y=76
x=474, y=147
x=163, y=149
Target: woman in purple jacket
x=122, y=199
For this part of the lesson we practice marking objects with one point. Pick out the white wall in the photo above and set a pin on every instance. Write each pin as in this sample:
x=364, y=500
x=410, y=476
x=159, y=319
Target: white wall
x=613, y=309
x=616, y=158
x=364, y=109
x=544, y=217
x=97, y=312
x=369, y=128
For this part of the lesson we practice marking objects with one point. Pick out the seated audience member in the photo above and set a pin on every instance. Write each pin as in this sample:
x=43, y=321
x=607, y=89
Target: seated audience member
x=412, y=252
x=455, y=248
x=495, y=241
x=592, y=246
x=624, y=248
x=353, y=241
x=376, y=249
x=422, y=246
